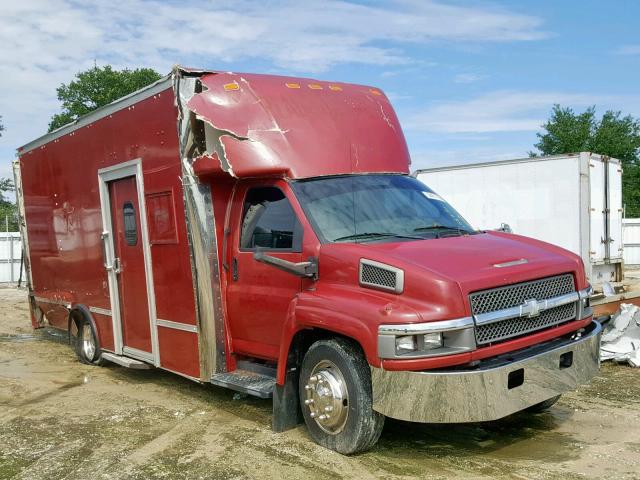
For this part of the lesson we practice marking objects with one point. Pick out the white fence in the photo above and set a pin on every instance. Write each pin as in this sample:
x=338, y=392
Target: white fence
x=631, y=240
x=10, y=252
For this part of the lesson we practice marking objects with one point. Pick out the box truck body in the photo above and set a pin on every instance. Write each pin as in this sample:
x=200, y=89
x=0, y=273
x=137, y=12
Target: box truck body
x=263, y=233
x=573, y=201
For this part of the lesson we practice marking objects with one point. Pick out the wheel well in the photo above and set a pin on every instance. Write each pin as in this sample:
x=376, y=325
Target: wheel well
x=81, y=313
x=303, y=339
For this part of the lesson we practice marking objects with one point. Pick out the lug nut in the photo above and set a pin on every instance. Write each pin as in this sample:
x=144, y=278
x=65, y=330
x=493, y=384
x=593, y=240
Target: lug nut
x=322, y=417
x=313, y=379
x=312, y=414
x=307, y=387
x=309, y=401
x=328, y=409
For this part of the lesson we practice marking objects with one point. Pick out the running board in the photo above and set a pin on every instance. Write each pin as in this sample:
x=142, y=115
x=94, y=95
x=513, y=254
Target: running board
x=251, y=383
x=125, y=361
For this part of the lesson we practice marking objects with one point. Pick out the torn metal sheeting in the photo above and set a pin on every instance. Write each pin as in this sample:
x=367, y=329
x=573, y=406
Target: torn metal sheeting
x=621, y=337
x=263, y=127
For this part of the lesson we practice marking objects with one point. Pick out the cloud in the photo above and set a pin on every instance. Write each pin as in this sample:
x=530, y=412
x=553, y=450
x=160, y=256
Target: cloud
x=629, y=50
x=467, y=78
x=45, y=42
x=502, y=111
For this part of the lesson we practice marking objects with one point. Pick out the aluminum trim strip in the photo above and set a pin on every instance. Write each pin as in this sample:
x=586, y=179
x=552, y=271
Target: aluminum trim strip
x=138, y=354
x=519, y=311
x=52, y=301
x=101, y=311
x=177, y=325
x=419, y=328
x=586, y=293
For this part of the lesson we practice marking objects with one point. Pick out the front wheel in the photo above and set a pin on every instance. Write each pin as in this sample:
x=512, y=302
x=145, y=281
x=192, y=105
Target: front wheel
x=335, y=390
x=87, y=348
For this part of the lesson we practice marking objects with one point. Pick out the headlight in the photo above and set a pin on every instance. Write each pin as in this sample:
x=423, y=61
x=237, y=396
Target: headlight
x=446, y=337
x=411, y=343
x=407, y=343
x=432, y=340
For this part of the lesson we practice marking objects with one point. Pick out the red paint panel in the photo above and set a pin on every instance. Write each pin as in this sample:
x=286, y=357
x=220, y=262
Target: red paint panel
x=161, y=219
x=63, y=215
x=105, y=330
x=56, y=315
x=302, y=132
x=179, y=351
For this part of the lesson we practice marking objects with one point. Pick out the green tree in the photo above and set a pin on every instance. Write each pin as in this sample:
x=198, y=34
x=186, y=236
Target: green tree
x=613, y=135
x=8, y=209
x=96, y=87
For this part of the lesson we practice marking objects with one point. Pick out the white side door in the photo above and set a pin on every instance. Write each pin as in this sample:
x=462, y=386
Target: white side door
x=615, y=210
x=597, y=210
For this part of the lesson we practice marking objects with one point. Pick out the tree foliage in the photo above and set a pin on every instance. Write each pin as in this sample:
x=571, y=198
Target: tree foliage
x=7, y=208
x=1, y=126
x=613, y=135
x=97, y=87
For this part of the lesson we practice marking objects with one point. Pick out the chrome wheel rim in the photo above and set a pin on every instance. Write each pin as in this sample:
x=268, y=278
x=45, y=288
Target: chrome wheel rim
x=88, y=342
x=327, y=397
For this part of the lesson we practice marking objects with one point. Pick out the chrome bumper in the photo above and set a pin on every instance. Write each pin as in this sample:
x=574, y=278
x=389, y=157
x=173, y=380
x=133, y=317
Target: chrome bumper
x=487, y=393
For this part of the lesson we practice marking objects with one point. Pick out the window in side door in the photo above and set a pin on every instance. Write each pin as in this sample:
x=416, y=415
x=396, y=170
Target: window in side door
x=269, y=222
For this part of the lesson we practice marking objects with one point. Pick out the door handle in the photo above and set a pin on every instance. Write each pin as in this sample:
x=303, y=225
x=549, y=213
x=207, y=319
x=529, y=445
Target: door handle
x=104, y=237
x=115, y=268
x=234, y=269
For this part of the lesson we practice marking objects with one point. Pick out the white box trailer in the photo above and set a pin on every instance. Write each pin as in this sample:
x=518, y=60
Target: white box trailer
x=573, y=200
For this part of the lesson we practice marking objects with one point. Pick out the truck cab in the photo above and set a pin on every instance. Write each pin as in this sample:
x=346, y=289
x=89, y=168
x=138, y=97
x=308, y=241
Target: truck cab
x=278, y=246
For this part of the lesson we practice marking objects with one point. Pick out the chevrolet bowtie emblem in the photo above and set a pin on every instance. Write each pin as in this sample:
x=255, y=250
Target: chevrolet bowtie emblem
x=530, y=308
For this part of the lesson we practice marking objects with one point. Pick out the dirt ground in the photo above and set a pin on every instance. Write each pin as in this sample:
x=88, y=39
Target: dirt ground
x=62, y=419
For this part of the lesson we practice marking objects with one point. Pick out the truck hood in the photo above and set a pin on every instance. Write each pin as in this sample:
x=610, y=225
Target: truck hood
x=477, y=262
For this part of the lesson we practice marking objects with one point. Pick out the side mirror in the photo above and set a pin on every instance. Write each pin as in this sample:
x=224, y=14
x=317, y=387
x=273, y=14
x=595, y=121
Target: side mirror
x=308, y=269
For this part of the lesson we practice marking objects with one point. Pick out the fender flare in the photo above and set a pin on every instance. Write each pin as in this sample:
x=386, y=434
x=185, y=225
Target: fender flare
x=86, y=314
x=354, y=330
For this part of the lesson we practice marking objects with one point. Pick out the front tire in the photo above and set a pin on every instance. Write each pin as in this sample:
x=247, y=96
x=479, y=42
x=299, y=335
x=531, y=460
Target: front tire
x=87, y=347
x=335, y=393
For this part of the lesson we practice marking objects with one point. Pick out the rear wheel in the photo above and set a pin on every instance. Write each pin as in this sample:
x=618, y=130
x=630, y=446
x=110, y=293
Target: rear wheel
x=335, y=390
x=542, y=406
x=87, y=348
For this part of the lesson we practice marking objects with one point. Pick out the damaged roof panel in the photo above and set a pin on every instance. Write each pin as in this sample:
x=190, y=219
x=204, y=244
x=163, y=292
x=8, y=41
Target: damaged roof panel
x=264, y=126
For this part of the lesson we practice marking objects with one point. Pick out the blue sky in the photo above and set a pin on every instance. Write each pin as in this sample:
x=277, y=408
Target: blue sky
x=471, y=81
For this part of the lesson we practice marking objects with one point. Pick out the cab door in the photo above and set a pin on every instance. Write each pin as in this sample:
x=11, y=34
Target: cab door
x=259, y=295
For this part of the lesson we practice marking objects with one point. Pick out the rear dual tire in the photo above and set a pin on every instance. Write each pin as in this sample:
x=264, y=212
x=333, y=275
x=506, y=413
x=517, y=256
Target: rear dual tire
x=336, y=397
x=87, y=346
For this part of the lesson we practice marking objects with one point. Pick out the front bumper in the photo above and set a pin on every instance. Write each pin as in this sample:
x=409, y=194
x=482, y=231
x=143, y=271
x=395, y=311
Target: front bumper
x=497, y=388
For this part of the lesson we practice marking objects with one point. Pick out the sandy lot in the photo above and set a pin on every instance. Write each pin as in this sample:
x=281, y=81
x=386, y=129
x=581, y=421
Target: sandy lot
x=62, y=419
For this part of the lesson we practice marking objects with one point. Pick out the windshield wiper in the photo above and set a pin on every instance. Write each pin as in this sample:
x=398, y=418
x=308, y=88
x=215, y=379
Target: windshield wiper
x=356, y=236
x=461, y=231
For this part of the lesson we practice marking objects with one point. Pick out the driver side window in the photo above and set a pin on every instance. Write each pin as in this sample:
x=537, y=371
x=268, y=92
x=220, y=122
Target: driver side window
x=269, y=222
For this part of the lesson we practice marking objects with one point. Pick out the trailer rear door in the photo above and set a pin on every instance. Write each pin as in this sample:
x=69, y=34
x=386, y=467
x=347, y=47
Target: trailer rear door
x=597, y=197
x=615, y=209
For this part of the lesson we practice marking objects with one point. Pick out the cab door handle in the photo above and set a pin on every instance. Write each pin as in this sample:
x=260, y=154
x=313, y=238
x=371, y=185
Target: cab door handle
x=234, y=269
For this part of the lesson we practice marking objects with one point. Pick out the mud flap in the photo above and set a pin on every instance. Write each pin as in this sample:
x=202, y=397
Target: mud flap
x=286, y=403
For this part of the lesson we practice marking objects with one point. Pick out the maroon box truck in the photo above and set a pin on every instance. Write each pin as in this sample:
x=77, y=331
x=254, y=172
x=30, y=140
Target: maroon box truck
x=263, y=233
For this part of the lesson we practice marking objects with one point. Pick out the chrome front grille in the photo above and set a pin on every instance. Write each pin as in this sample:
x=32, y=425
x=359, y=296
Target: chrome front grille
x=510, y=296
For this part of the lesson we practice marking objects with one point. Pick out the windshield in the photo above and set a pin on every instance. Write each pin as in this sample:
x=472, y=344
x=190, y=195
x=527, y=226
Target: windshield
x=358, y=208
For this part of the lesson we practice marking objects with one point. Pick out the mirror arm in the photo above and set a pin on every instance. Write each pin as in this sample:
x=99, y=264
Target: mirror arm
x=308, y=269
